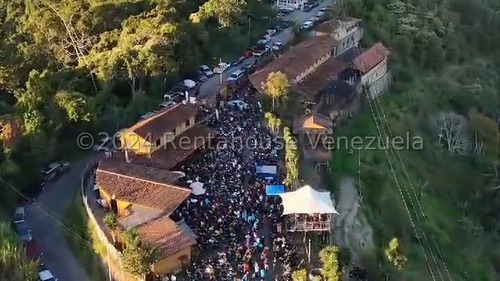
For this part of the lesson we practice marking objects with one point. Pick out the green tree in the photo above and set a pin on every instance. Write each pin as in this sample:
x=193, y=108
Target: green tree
x=299, y=275
x=277, y=86
x=111, y=223
x=329, y=257
x=393, y=255
x=137, y=257
x=14, y=265
x=74, y=105
x=291, y=158
x=225, y=11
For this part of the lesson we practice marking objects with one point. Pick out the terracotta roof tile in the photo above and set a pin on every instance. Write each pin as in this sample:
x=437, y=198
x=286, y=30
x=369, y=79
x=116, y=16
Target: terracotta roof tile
x=294, y=61
x=178, y=151
x=117, y=164
x=166, y=236
x=164, y=121
x=320, y=78
x=148, y=192
x=371, y=58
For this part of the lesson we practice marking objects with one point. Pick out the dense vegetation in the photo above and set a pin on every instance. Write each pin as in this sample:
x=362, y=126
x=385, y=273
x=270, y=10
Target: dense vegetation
x=68, y=66
x=94, y=65
x=445, y=65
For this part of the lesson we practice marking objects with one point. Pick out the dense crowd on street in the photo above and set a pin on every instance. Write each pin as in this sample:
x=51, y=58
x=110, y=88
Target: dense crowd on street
x=240, y=230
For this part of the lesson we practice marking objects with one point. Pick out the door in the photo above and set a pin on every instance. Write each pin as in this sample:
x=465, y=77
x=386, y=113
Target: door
x=114, y=206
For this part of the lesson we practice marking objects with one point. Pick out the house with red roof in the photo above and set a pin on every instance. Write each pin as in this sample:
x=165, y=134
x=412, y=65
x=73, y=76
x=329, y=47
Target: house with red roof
x=373, y=67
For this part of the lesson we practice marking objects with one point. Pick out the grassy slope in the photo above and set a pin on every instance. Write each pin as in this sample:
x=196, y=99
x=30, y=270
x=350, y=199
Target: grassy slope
x=87, y=253
x=384, y=207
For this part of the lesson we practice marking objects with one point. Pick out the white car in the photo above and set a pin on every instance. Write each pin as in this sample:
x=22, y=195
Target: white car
x=277, y=46
x=221, y=68
x=235, y=77
x=271, y=31
x=320, y=14
x=307, y=25
x=265, y=39
x=46, y=275
x=206, y=71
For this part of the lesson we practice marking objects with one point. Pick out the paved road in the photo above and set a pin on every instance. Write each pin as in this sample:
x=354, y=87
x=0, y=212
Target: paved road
x=212, y=85
x=49, y=234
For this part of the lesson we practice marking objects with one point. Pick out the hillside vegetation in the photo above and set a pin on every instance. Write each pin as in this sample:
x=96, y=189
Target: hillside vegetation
x=442, y=202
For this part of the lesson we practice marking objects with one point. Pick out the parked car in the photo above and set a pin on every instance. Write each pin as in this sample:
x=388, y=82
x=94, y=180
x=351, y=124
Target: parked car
x=260, y=50
x=248, y=53
x=46, y=275
x=316, y=19
x=264, y=39
x=23, y=231
x=271, y=31
x=221, y=68
x=307, y=25
x=33, y=252
x=320, y=14
x=236, y=77
x=54, y=170
x=103, y=144
x=240, y=60
x=147, y=115
x=206, y=71
x=19, y=215
x=307, y=8
x=248, y=68
x=167, y=104
x=277, y=46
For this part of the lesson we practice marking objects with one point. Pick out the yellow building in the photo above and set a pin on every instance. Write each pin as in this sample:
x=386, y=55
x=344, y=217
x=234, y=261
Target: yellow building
x=144, y=198
x=166, y=139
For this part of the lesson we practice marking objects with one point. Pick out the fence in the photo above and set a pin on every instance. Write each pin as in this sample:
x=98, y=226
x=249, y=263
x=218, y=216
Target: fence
x=111, y=260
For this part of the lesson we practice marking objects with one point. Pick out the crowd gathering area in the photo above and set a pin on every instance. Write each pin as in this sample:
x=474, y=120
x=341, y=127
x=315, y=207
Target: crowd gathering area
x=205, y=208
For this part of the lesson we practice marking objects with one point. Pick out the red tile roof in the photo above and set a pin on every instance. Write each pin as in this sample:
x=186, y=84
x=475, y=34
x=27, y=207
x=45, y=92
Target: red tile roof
x=166, y=236
x=295, y=61
x=178, y=151
x=320, y=78
x=371, y=58
x=164, y=121
x=146, y=191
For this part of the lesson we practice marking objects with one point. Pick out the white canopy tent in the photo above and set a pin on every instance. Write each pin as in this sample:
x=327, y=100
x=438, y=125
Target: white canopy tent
x=197, y=188
x=307, y=200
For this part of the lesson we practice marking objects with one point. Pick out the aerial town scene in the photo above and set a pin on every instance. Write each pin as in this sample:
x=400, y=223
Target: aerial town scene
x=250, y=140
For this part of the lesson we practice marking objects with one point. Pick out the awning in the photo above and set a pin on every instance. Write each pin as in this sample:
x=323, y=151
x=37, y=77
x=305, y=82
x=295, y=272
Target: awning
x=197, y=188
x=273, y=190
x=307, y=200
x=267, y=169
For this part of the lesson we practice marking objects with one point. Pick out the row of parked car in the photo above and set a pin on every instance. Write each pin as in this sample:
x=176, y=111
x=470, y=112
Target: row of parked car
x=313, y=21
x=32, y=249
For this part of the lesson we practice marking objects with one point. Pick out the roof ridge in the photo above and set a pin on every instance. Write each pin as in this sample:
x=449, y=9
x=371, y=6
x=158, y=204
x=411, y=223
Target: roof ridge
x=154, y=117
x=145, y=180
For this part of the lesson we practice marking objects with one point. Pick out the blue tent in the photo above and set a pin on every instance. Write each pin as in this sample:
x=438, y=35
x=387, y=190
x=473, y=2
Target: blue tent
x=273, y=190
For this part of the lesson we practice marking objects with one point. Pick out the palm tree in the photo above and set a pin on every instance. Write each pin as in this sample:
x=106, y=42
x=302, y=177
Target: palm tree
x=14, y=264
x=111, y=222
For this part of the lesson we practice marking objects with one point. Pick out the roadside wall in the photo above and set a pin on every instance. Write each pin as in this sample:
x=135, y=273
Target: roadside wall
x=111, y=260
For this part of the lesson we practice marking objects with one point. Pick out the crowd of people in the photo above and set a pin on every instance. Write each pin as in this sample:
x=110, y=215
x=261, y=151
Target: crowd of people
x=240, y=230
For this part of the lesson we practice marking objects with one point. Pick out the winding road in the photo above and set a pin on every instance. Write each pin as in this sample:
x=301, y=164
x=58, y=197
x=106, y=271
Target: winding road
x=45, y=217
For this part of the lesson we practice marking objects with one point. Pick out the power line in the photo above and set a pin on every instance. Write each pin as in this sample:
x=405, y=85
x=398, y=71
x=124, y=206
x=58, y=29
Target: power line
x=399, y=188
x=422, y=210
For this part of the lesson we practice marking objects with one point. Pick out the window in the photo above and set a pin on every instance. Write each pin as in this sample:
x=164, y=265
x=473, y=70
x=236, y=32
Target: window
x=188, y=122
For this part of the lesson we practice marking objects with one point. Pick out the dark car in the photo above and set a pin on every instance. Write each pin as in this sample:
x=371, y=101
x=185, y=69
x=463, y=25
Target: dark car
x=54, y=170
x=23, y=231
x=307, y=7
x=248, y=68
